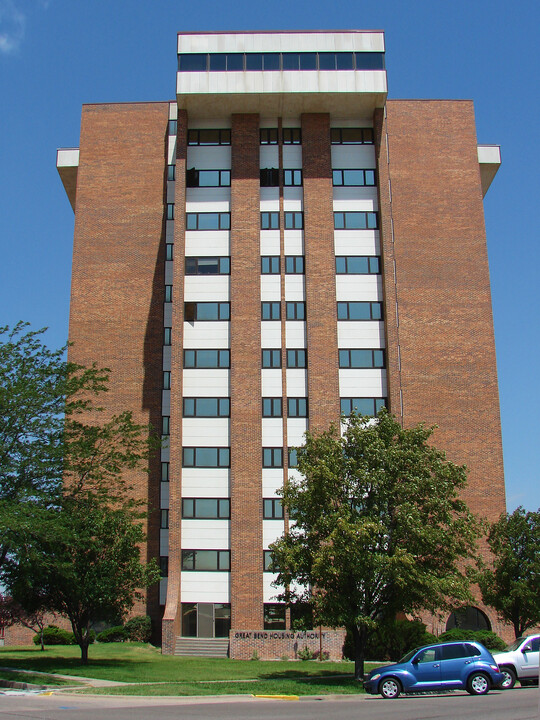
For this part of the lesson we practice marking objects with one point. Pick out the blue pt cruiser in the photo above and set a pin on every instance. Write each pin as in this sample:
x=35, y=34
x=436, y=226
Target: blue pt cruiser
x=447, y=666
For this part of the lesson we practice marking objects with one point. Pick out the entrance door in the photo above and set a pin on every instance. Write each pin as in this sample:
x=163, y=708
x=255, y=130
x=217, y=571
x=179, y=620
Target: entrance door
x=206, y=620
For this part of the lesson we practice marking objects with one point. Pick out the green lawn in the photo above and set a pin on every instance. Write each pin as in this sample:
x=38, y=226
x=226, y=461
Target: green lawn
x=35, y=679
x=136, y=662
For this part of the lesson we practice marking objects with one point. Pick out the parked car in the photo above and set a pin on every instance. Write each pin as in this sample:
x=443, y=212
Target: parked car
x=519, y=661
x=446, y=666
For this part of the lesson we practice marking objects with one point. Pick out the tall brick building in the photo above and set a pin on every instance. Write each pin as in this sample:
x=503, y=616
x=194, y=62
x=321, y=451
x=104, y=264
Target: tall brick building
x=279, y=244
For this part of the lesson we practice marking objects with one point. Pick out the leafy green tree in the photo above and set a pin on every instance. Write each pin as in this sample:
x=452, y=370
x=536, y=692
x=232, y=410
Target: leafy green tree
x=379, y=527
x=511, y=585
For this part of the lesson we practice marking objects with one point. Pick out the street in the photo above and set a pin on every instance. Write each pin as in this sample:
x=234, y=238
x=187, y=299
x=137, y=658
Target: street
x=517, y=704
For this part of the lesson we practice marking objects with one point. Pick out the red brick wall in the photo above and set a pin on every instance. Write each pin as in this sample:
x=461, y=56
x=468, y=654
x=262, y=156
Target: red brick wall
x=274, y=644
x=321, y=308
x=116, y=314
x=245, y=423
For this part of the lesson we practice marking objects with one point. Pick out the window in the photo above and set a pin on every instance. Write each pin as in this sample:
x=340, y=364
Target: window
x=165, y=425
x=267, y=562
x=172, y=127
x=274, y=616
x=362, y=406
x=296, y=359
x=353, y=265
x=226, y=61
x=168, y=293
x=270, y=221
x=268, y=136
x=293, y=458
x=270, y=311
x=206, y=560
x=207, y=407
x=294, y=220
x=209, y=137
x=171, y=172
x=208, y=221
x=472, y=651
x=271, y=407
x=208, y=178
x=208, y=266
x=193, y=62
x=353, y=178
x=294, y=264
x=275, y=61
x=292, y=178
x=296, y=310
x=453, y=652
x=166, y=380
x=206, y=311
x=164, y=566
x=262, y=61
x=170, y=211
x=428, y=655
x=336, y=61
x=169, y=251
x=361, y=358
x=355, y=220
x=206, y=508
x=271, y=358
x=272, y=509
x=352, y=136
x=273, y=457
x=164, y=519
x=359, y=311
x=164, y=472
x=292, y=136
x=269, y=177
x=206, y=457
x=167, y=335
x=369, y=61
x=297, y=407
x=270, y=265
x=207, y=358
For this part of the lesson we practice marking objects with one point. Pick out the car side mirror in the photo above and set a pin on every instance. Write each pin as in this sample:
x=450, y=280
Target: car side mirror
x=414, y=661
x=526, y=649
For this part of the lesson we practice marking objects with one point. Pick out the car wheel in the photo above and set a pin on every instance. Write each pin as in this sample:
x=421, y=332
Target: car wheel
x=478, y=684
x=509, y=678
x=390, y=688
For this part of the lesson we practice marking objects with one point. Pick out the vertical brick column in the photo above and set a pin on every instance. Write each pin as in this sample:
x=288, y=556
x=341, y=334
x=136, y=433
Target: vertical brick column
x=448, y=370
x=321, y=308
x=172, y=616
x=245, y=423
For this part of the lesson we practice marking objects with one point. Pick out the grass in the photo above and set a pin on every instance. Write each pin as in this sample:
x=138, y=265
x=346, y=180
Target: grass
x=35, y=679
x=139, y=663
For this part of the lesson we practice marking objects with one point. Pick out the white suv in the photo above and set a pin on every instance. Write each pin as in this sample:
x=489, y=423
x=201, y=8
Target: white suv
x=519, y=661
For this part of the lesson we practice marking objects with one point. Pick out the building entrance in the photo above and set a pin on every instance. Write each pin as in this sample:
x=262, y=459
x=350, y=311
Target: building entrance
x=206, y=620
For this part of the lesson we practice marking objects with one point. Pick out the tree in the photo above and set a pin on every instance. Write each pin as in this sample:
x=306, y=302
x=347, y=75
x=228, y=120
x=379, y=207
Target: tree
x=379, y=527
x=13, y=613
x=511, y=585
x=84, y=563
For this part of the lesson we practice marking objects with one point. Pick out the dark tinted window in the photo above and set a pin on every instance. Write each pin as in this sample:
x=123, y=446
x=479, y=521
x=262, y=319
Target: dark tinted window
x=472, y=651
x=450, y=652
x=195, y=62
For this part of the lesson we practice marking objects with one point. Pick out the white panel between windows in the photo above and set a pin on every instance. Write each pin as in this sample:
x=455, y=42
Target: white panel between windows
x=164, y=495
x=206, y=534
x=362, y=383
x=272, y=432
x=359, y=287
x=292, y=156
x=271, y=334
x=295, y=334
x=270, y=243
x=272, y=530
x=210, y=123
x=356, y=157
x=216, y=157
x=269, y=593
x=270, y=290
x=171, y=150
x=201, y=334
x=207, y=243
x=205, y=482
x=269, y=156
x=163, y=591
x=205, y=383
x=163, y=542
x=271, y=382
x=270, y=197
x=272, y=480
x=293, y=242
x=207, y=288
x=361, y=334
x=208, y=200
x=294, y=288
x=211, y=587
x=205, y=432
x=296, y=383
x=356, y=242
x=296, y=429
x=294, y=196
x=355, y=199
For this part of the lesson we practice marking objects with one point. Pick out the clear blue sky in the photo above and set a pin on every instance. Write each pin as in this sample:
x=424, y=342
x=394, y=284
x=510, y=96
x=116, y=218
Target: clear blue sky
x=57, y=54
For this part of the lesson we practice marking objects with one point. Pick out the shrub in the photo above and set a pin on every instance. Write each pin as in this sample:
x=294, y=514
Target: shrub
x=306, y=653
x=113, y=634
x=391, y=640
x=139, y=629
x=53, y=635
x=488, y=638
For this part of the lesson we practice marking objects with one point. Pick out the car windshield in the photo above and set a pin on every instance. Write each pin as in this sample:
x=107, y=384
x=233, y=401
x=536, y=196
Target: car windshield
x=514, y=646
x=408, y=656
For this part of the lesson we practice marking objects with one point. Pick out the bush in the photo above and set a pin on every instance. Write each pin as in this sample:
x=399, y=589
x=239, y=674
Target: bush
x=113, y=634
x=139, y=629
x=306, y=653
x=391, y=640
x=53, y=635
x=488, y=638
